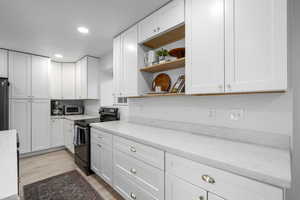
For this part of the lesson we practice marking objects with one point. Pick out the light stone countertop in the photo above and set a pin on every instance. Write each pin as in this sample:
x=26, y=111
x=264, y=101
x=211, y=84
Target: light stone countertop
x=8, y=166
x=268, y=165
x=75, y=117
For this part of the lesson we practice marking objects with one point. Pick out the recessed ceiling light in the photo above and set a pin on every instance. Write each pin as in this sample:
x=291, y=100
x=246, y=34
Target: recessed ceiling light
x=83, y=30
x=58, y=56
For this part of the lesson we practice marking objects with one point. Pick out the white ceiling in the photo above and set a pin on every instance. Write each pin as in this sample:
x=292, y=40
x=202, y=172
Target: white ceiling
x=47, y=27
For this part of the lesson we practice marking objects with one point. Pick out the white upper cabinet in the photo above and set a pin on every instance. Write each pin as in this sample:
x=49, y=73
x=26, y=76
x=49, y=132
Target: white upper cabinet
x=87, y=78
x=3, y=63
x=170, y=15
x=20, y=75
x=55, y=76
x=204, y=46
x=92, y=78
x=40, y=77
x=148, y=28
x=20, y=119
x=241, y=50
x=41, y=137
x=256, y=45
x=68, y=80
x=130, y=62
x=166, y=18
x=117, y=66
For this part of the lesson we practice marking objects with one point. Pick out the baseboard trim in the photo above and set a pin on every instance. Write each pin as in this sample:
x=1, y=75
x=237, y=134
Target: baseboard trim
x=36, y=153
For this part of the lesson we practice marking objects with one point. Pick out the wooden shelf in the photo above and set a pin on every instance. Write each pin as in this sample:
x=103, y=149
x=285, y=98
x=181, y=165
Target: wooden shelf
x=166, y=38
x=160, y=95
x=165, y=66
x=213, y=94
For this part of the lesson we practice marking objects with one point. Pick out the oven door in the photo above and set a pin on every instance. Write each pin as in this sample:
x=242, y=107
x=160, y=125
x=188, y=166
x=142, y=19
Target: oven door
x=81, y=143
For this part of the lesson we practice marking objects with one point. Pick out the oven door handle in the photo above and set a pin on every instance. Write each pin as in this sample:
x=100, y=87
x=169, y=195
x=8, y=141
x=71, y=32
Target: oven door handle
x=75, y=138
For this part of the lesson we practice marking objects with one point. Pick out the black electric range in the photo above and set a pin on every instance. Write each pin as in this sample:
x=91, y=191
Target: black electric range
x=82, y=137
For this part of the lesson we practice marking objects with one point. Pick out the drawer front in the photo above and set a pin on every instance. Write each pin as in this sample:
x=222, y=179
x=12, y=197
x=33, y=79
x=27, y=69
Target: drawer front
x=147, y=177
x=101, y=137
x=128, y=189
x=142, y=152
x=225, y=184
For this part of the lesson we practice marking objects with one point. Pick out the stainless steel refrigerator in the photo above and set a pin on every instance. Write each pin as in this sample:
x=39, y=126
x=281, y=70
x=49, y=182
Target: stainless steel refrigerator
x=4, y=84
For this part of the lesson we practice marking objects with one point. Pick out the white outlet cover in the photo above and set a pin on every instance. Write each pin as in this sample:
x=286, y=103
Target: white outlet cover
x=236, y=114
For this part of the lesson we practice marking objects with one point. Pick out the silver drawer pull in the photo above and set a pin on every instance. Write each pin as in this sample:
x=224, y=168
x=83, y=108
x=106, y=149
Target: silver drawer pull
x=133, y=171
x=201, y=198
x=132, y=195
x=132, y=149
x=208, y=179
x=99, y=145
x=100, y=137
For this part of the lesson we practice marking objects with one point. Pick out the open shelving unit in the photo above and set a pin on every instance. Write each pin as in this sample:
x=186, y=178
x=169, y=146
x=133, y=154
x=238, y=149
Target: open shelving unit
x=165, y=66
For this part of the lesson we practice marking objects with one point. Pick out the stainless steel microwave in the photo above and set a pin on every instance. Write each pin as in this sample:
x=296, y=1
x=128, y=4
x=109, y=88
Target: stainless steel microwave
x=73, y=110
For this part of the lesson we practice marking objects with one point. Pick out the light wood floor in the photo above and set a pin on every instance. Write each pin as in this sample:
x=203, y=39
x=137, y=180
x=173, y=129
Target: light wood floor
x=44, y=166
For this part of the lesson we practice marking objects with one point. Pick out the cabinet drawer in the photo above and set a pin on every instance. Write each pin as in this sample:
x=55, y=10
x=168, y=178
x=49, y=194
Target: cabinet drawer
x=147, y=177
x=225, y=184
x=101, y=137
x=128, y=189
x=142, y=152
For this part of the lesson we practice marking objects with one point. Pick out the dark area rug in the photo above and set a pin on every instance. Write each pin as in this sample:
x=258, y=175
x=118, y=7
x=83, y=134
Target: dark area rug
x=67, y=186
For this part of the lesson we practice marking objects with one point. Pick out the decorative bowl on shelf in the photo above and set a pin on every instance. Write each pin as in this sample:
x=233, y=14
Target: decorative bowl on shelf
x=178, y=52
x=163, y=81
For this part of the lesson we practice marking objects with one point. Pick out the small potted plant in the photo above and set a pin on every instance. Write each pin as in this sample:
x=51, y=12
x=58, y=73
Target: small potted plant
x=162, y=55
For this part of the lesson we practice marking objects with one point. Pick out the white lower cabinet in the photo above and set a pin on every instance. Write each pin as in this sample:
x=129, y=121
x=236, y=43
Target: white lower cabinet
x=20, y=119
x=224, y=184
x=40, y=129
x=68, y=128
x=57, y=136
x=178, y=189
x=101, y=155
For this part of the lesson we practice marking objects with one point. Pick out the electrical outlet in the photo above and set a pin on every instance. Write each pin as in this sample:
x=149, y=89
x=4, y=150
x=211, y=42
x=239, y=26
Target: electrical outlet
x=236, y=114
x=212, y=113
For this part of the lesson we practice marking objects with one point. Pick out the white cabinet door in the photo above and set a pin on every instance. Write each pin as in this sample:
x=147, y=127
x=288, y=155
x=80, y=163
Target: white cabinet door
x=256, y=45
x=130, y=62
x=213, y=197
x=57, y=137
x=78, y=79
x=95, y=157
x=117, y=67
x=106, y=168
x=178, y=189
x=20, y=119
x=40, y=77
x=3, y=63
x=40, y=124
x=19, y=75
x=93, y=78
x=170, y=16
x=68, y=80
x=205, y=46
x=55, y=76
x=148, y=28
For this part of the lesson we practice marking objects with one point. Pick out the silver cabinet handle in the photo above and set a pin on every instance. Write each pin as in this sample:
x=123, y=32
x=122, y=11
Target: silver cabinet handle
x=100, y=137
x=228, y=86
x=154, y=30
x=208, y=179
x=158, y=29
x=133, y=171
x=132, y=195
x=201, y=198
x=132, y=149
x=99, y=145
